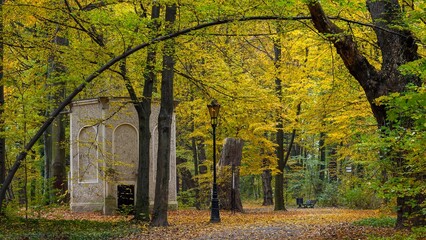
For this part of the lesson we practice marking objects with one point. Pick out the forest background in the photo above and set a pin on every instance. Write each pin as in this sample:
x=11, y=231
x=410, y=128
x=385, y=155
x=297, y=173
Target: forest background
x=309, y=127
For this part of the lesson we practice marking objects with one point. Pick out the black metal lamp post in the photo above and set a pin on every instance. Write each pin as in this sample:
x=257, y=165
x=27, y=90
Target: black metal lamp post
x=214, y=113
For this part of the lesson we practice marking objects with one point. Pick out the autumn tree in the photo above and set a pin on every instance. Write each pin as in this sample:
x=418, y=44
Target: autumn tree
x=398, y=47
x=143, y=109
x=159, y=215
x=54, y=137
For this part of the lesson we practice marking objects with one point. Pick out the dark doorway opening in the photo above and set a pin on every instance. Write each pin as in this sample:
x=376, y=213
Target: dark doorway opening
x=126, y=198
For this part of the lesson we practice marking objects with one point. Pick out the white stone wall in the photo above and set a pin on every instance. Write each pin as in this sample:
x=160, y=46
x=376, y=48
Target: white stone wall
x=104, y=153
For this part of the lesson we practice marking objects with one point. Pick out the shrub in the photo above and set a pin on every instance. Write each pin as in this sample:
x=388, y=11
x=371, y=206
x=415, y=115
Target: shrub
x=360, y=197
x=330, y=196
x=377, y=222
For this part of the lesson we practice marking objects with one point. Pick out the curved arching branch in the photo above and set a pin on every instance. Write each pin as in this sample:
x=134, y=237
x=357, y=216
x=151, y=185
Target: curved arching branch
x=21, y=156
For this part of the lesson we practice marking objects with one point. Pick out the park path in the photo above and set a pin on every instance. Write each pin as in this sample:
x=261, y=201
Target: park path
x=264, y=223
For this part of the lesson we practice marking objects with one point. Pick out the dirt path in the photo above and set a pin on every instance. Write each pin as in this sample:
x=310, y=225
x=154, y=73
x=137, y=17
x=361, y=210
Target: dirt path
x=256, y=223
x=264, y=223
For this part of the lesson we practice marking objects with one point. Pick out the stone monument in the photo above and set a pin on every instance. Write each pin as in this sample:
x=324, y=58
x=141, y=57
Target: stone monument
x=104, y=155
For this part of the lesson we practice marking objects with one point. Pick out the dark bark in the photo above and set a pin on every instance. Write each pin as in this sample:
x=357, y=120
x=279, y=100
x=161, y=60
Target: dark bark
x=268, y=198
x=54, y=137
x=201, y=157
x=332, y=165
x=185, y=177
x=143, y=110
x=279, y=178
x=267, y=188
x=159, y=216
x=229, y=187
x=398, y=47
x=58, y=166
x=322, y=156
x=2, y=139
x=196, y=161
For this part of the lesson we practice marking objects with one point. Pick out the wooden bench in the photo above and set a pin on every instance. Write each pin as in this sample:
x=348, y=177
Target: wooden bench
x=307, y=204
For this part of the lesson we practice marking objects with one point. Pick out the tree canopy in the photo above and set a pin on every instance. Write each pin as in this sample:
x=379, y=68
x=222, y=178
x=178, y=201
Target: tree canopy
x=346, y=67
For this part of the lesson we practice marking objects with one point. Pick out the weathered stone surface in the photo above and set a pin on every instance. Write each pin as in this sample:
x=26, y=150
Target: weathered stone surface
x=104, y=153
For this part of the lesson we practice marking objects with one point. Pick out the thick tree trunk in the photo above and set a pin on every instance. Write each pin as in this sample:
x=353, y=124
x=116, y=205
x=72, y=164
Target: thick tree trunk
x=229, y=175
x=143, y=110
x=159, y=217
x=397, y=47
x=267, y=188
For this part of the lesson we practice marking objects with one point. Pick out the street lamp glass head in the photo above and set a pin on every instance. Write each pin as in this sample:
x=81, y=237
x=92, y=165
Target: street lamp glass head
x=214, y=111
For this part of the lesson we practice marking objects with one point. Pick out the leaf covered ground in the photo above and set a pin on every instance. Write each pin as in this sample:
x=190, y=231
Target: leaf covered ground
x=255, y=223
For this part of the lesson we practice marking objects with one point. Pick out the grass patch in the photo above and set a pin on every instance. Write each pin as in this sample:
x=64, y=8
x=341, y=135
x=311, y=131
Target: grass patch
x=376, y=222
x=20, y=228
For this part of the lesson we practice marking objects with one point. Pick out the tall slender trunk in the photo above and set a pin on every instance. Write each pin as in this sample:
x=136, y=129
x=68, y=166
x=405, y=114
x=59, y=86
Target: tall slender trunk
x=268, y=196
x=322, y=163
x=143, y=110
x=279, y=178
x=332, y=165
x=159, y=217
x=196, y=161
x=54, y=137
x=2, y=138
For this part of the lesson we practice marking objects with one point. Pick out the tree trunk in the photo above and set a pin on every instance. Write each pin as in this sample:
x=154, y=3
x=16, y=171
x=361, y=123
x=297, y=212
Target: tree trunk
x=229, y=175
x=267, y=188
x=58, y=166
x=332, y=165
x=196, y=162
x=165, y=118
x=185, y=176
x=398, y=47
x=268, y=198
x=321, y=149
x=54, y=137
x=279, y=178
x=143, y=110
x=2, y=139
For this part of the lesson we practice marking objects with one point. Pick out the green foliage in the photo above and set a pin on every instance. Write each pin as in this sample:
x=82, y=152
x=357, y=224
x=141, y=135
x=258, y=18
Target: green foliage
x=402, y=143
x=329, y=196
x=126, y=210
x=360, y=196
x=186, y=199
x=250, y=187
x=20, y=228
x=419, y=232
x=376, y=222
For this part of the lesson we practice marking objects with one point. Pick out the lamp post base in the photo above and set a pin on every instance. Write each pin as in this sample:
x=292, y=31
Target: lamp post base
x=215, y=215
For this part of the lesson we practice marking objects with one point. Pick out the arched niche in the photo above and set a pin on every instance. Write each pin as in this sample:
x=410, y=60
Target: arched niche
x=87, y=150
x=125, y=143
